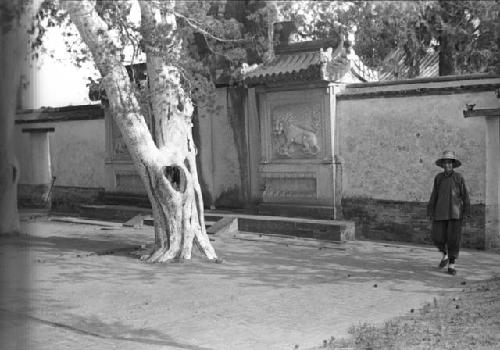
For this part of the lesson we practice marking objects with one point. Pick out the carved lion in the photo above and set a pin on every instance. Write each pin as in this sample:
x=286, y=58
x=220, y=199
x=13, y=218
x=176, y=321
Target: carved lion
x=295, y=134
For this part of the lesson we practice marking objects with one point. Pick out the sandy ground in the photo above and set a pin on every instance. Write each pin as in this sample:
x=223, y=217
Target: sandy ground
x=74, y=286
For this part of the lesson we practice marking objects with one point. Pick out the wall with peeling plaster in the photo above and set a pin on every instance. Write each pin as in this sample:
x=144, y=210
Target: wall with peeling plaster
x=390, y=144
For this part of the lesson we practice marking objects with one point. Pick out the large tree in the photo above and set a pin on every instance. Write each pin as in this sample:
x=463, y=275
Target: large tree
x=166, y=157
x=16, y=17
x=182, y=42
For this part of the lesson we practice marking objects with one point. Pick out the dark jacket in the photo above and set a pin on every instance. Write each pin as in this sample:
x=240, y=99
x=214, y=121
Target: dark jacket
x=449, y=198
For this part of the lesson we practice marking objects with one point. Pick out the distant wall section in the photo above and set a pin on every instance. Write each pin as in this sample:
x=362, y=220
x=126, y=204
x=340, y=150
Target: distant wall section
x=76, y=150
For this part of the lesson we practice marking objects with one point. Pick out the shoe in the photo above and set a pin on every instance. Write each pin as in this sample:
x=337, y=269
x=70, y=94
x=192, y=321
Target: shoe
x=443, y=263
x=452, y=271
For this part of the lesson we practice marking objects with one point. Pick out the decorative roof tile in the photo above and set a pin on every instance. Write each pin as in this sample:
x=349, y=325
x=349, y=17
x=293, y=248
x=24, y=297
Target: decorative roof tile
x=317, y=64
x=398, y=69
x=294, y=66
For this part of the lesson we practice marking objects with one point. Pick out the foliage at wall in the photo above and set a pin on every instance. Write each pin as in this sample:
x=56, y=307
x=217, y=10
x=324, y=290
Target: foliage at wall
x=466, y=34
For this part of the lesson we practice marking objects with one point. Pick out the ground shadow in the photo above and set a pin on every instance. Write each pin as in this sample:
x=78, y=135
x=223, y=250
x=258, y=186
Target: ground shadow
x=94, y=327
x=264, y=263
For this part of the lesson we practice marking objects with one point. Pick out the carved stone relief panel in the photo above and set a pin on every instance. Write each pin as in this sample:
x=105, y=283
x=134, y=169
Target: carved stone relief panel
x=289, y=187
x=296, y=130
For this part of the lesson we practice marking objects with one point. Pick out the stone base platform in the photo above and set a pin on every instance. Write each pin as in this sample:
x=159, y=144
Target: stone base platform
x=218, y=222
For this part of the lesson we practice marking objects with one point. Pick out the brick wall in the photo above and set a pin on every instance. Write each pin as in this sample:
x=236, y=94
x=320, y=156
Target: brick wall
x=62, y=198
x=70, y=198
x=405, y=221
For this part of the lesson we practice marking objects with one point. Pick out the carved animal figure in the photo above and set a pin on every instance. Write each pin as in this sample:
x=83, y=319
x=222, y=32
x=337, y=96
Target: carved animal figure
x=296, y=134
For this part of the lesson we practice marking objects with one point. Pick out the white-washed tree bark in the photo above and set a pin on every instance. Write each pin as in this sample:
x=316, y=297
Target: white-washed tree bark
x=165, y=161
x=13, y=49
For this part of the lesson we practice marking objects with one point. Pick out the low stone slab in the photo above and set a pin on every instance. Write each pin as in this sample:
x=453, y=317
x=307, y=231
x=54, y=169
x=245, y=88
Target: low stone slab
x=330, y=230
x=137, y=221
x=73, y=220
x=225, y=225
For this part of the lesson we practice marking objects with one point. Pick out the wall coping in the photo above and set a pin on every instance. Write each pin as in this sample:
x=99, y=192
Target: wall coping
x=448, y=78
x=420, y=87
x=59, y=114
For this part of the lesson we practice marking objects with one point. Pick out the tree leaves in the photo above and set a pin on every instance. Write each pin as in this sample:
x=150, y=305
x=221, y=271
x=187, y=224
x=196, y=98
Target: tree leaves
x=466, y=33
x=228, y=34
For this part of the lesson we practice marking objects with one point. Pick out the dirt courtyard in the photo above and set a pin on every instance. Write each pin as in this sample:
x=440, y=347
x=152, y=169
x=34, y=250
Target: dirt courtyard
x=75, y=286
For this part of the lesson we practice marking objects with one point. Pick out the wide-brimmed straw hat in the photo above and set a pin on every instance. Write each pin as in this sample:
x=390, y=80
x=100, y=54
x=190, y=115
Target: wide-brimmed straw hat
x=448, y=155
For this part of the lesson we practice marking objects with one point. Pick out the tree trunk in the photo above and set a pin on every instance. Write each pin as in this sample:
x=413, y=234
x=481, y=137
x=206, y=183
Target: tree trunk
x=166, y=163
x=446, y=63
x=414, y=64
x=13, y=49
x=272, y=15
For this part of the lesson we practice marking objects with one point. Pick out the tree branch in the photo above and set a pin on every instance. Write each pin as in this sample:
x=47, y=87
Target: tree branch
x=204, y=32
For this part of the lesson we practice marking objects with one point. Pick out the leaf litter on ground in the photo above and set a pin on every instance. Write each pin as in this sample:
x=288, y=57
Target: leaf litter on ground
x=465, y=319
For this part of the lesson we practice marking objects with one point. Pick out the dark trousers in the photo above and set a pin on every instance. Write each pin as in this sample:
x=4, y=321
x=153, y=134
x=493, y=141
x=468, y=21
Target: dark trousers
x=446, y=235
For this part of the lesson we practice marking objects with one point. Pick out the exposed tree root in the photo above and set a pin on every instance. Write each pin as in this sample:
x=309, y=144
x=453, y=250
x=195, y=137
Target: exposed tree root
x=160, y=255
x=154, y=256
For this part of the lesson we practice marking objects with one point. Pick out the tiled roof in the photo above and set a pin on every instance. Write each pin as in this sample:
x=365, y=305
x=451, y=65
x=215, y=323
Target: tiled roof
x=319, y=64
x=397, y=69
x=287, y=67
x=362, y=71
